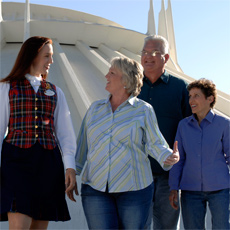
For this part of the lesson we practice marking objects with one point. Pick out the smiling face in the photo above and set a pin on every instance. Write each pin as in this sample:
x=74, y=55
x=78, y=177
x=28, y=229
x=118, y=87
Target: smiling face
x=153, y=63
x=200, y=105
x=42, y=62
x=114, y=81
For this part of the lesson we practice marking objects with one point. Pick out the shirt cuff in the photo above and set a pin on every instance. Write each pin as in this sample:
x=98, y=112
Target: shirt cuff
x=163, y=158
x=167, y=167
x=69, y=162
x=78, y=169
x=173, y=188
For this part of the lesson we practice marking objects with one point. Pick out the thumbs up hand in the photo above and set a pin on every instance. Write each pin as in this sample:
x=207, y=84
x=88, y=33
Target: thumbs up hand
x=174, y=157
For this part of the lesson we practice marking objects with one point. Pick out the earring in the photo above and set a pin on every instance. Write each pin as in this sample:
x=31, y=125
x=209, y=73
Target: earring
x=124, y=87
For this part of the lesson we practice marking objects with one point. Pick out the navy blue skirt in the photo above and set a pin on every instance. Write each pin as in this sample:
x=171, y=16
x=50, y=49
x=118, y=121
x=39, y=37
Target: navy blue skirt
x=33, y=183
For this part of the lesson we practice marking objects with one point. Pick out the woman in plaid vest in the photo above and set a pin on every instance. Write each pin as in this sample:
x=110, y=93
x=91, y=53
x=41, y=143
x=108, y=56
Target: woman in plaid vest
x=37, y=117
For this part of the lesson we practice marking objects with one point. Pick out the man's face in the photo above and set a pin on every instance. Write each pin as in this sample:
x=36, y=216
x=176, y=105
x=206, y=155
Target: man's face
x=149, y=62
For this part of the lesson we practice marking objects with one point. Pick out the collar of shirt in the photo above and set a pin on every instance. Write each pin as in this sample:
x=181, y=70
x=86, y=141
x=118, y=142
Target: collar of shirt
x=209, y=117
x=132, y=100
x=164, y=78
x=34, y=81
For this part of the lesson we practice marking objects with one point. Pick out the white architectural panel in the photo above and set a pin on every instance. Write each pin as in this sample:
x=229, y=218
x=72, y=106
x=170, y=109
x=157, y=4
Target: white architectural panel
x=151, y=20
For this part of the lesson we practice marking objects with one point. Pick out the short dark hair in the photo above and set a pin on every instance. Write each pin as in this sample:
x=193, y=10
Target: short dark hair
x=207, y=87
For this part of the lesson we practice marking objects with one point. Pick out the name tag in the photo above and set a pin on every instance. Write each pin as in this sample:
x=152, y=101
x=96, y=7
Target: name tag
x=49, y=92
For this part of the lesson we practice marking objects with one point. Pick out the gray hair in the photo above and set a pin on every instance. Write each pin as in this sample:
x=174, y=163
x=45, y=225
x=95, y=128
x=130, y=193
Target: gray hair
x=162, y=40
x=132, y=73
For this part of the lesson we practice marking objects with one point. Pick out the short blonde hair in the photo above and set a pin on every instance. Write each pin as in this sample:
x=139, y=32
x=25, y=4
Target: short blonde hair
x=132, y=74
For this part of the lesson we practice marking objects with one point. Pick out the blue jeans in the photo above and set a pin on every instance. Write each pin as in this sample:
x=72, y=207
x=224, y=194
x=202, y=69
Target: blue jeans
x=162, y=214
x=124, y=210
x=193, y=205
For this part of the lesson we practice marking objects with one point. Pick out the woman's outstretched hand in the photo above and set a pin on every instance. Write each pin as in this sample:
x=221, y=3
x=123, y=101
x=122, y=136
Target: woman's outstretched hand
x=174, y=157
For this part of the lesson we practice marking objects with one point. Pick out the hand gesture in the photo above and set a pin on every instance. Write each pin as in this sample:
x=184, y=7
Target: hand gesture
x=174, y=157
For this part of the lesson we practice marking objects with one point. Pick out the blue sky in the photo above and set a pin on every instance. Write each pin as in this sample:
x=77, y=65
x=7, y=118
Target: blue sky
x=202, y=30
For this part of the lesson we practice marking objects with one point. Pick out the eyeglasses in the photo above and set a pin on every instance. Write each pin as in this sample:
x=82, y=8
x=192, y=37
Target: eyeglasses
x=153, y=53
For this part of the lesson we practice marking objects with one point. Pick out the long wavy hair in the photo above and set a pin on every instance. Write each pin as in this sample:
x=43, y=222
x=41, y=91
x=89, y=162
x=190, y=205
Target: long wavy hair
x=27, y=54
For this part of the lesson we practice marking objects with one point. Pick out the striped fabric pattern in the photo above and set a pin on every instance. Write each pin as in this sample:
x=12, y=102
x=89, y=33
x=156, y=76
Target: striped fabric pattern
x=115, y=146
x=31, y=115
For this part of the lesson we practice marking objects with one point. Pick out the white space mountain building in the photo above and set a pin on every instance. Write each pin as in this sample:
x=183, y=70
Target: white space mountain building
x=83, y=46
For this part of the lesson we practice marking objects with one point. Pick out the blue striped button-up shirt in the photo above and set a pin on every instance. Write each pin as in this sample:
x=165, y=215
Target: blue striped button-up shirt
x=116, y=146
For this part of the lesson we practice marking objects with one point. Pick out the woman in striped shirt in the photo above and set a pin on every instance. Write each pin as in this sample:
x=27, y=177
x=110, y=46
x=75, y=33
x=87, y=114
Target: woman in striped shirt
x=115, y=139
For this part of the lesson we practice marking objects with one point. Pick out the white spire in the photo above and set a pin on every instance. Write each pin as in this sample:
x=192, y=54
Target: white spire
x=162, y=22
x=166, y=29
x=1, y=10
x=151, y=21
x=171, y=34
x=27, y=20
x=1, y=34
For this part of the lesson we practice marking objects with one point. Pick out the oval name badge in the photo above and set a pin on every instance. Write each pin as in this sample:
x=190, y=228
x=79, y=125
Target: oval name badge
x=49, y=92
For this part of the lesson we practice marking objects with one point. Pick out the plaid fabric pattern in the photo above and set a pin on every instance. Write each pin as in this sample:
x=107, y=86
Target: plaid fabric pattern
x=31, y=115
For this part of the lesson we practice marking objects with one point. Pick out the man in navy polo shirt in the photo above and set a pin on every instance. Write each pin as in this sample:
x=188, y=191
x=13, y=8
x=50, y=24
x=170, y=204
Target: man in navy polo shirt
x=169, y=97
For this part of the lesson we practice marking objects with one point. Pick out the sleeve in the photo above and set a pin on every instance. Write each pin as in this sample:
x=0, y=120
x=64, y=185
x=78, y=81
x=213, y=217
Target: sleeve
x=64, y=130
x=156, y=146
x=82, y=146
x=177, y=169
x=4, y=112
x=186, y=109
x=226, y=142
x=82, y=140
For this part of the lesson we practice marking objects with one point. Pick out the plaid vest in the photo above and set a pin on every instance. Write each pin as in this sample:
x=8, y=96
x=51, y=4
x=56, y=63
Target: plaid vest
x=31, y=115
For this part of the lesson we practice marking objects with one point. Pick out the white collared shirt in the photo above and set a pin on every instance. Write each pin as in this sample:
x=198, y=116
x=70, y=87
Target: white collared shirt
x=62, y=120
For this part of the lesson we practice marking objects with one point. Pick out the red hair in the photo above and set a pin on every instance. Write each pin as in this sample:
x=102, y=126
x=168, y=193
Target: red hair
x=28, y=52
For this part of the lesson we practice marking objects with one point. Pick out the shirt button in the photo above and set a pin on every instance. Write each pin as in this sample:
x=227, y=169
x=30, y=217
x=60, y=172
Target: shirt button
x=36, y=99
x=150, y=98
x=36, y=117
x=36, y=126
x=36, y=108
x=36, y=135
